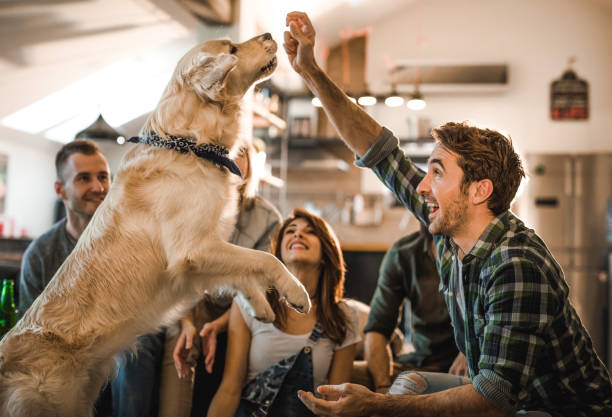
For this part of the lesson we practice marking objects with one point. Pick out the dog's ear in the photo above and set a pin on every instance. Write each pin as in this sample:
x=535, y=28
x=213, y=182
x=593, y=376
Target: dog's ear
x=209, y=73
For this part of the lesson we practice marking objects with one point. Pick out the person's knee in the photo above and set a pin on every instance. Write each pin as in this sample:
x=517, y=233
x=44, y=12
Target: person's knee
x=411, y=383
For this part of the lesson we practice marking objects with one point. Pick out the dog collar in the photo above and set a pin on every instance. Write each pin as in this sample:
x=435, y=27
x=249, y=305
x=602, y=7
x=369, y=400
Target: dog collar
x=214, y=153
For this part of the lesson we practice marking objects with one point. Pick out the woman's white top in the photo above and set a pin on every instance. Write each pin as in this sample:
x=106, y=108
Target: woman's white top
x=270, y=345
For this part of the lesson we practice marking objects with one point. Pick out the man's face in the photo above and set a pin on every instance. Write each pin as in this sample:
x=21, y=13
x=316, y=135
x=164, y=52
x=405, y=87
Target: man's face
x=86, y=180
x=441, y=188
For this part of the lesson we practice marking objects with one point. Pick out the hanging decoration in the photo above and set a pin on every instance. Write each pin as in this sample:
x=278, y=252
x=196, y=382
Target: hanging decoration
x=569, y=96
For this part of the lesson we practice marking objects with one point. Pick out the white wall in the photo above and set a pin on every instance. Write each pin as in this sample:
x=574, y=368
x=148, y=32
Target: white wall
x=31, y=173
x=534, y=38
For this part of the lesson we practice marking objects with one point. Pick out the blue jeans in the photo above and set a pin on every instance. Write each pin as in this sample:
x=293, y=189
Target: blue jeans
x=415, y=383
x=135, y=389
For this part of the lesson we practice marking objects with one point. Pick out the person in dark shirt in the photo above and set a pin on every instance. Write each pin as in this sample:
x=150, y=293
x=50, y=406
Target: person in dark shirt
x=408, y=273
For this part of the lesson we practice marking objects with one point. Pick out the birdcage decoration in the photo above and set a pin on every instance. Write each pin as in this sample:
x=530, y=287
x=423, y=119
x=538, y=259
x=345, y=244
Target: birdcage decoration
x=569, y=97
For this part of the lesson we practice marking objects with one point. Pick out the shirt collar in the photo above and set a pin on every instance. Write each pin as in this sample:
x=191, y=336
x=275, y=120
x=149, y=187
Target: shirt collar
x=489, y=237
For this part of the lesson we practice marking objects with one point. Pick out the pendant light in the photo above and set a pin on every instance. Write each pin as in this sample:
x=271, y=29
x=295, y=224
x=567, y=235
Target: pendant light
x=394, y=99
x=101, y=130
x=366, y=99
x=417, y=101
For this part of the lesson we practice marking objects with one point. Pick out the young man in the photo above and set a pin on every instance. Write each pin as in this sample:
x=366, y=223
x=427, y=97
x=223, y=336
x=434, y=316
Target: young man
x=525, y=346
x=83, y=180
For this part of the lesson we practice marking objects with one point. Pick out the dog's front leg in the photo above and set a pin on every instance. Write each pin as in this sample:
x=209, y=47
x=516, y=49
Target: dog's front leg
x=251, y=272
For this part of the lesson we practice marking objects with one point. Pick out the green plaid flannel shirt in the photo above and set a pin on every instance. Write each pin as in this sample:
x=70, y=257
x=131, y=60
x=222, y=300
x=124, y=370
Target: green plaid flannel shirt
x=525, y=345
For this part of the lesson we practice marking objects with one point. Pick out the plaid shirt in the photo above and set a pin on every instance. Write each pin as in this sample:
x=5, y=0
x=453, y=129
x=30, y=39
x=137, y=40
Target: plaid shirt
x=525, y=345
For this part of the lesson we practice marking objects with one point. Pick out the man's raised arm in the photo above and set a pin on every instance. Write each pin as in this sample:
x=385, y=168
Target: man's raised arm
x=355, y=127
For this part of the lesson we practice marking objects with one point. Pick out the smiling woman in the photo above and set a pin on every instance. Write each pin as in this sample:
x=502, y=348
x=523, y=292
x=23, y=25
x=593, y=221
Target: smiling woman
x=296, y=351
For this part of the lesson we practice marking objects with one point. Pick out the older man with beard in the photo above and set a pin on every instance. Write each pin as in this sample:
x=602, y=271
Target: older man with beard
x=527, y=351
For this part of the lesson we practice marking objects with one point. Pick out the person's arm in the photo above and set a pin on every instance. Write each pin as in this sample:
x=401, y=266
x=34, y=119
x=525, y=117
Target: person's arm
x=356, y=400
x=209, y=334
x=378, y=355
x=356, y=128
x=342, y=366
x=377, y=147
x=183, y=346
x=520, y=305
x=382, y=320
x=226, y=400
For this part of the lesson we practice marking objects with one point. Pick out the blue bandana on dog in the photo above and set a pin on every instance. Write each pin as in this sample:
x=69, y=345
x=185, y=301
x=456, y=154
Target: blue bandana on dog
x=214, y=153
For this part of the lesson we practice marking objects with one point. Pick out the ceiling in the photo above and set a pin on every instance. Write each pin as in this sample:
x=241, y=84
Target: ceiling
x=62, y=62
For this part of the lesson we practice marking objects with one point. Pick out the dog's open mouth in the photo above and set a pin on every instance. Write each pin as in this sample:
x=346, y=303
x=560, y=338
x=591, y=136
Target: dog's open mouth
x=269, y=66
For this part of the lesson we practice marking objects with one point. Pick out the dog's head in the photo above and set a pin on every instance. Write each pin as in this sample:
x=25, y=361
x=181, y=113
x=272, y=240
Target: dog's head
x=223, y=71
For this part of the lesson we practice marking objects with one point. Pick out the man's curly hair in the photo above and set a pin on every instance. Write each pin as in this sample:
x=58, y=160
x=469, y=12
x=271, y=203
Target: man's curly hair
x=482, y=154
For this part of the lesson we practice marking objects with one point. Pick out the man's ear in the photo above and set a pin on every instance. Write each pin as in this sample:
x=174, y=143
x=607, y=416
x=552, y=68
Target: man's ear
x=208, y=75
x=481, y=191
x=60, y=190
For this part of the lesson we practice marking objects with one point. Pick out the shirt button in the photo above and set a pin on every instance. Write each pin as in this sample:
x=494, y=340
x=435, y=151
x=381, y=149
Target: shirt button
x=307, y=349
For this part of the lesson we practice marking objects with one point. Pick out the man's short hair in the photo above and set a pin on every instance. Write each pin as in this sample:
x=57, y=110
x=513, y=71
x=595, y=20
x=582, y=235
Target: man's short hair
x=84, y=146
x=484, y=154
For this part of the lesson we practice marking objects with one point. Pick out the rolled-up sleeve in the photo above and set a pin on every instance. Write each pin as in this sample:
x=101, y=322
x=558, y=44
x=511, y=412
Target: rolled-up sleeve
x=518, y=311
x=399, y=174
x=383, y=146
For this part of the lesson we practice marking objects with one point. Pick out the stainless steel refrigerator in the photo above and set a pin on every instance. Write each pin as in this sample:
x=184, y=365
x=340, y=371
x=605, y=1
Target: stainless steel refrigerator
x=565, y=200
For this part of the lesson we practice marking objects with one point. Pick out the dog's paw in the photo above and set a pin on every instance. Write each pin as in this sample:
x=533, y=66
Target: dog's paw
x=297, y=297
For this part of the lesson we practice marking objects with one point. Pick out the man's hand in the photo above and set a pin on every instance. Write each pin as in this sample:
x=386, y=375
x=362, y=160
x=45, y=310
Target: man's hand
x=354, y=400
x=299, y=42
x=182, y=349
x=459, y=366
x=208, y=334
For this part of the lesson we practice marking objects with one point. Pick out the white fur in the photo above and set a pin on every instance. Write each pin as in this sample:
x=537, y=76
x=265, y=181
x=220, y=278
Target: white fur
x=156, y=243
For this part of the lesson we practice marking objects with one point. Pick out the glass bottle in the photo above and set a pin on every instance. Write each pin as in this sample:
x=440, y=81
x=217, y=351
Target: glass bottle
x=8, y=312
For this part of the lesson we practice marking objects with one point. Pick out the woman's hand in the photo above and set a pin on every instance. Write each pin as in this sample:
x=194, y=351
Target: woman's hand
x=208, y=334
x=183, y=347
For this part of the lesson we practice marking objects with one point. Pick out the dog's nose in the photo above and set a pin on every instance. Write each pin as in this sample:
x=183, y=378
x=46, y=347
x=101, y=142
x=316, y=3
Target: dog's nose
x=267, y=36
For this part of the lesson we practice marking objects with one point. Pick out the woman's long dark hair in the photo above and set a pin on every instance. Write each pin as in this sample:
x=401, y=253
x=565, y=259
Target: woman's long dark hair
x=330, y=288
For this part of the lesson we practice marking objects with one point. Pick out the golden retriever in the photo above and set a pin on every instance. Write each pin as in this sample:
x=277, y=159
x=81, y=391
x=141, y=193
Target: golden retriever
x=155, y=244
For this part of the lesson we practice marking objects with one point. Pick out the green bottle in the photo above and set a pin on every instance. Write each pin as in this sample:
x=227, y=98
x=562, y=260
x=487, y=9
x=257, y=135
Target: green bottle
x=8, y=312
